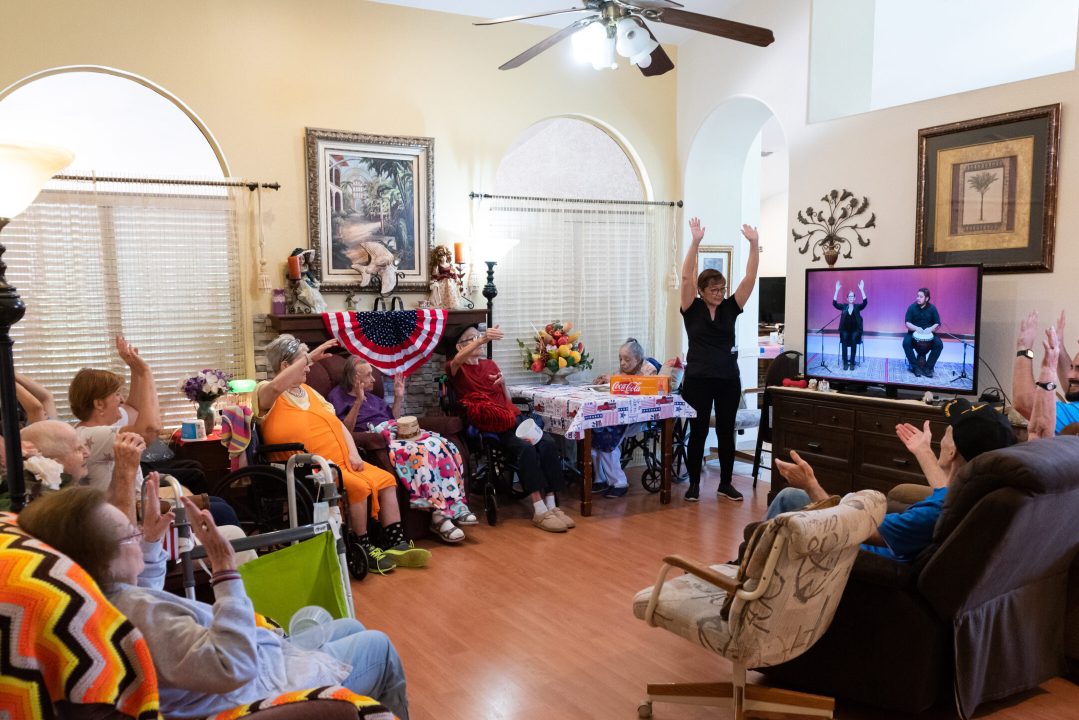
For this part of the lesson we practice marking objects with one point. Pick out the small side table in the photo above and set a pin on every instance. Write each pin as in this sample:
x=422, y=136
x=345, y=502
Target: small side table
x=213, y=456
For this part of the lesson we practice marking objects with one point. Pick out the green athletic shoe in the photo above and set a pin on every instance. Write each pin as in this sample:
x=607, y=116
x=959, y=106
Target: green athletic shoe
x=378, y=561
x=406, y=555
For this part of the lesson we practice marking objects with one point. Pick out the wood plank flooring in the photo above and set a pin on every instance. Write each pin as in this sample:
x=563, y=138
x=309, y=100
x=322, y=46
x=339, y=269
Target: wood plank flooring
x=519, y=624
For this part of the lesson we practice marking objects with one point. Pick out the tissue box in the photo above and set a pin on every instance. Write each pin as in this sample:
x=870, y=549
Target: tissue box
x=640, y=385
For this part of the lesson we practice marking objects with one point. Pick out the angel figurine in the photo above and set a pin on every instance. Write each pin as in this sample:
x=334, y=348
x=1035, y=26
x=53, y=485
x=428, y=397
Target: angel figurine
x=446, y=285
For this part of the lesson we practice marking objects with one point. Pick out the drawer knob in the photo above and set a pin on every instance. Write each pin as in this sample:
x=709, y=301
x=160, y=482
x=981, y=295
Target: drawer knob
x=876, y=423
x=813, y=445
x=833, y=418
x=902, y=462
x=795, y=413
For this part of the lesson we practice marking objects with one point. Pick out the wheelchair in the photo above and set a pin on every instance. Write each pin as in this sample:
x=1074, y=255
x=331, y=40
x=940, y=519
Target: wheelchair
x=259, y=494
x=491, y=469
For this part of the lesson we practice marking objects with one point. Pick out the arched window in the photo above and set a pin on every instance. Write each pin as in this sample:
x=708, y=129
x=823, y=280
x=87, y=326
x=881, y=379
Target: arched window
x=144, y=243
x=571, y=200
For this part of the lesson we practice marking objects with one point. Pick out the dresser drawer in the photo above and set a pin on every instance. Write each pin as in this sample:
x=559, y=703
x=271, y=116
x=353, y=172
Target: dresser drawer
x=877, y=422
x=832, y=416
x=794, y=411
x=888, y=459
x=834, y=482
x=815, y=444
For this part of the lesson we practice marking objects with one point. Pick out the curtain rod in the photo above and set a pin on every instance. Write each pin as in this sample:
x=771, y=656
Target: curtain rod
x=485, y=196
x=249, y=184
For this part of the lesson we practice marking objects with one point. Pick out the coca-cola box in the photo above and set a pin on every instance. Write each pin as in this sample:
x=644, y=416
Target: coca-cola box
x=640, y=384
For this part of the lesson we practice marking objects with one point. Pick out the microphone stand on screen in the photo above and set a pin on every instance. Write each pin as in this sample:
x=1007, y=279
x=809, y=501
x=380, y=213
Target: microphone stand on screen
x=822, y=363
x=963, y=368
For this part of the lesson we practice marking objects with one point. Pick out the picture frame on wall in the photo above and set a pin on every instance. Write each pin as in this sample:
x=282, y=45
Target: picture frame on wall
x=987, y=191
x=370, y=200
x=716, y=257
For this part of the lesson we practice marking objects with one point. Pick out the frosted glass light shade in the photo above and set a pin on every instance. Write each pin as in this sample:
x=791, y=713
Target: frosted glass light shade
x=634, y=42
x=495, y=249
x=242, y=386
x=24, y=170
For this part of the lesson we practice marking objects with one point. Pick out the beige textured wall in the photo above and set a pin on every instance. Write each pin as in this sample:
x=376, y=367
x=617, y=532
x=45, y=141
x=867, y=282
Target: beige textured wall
x=258, y=71
x=875, y=154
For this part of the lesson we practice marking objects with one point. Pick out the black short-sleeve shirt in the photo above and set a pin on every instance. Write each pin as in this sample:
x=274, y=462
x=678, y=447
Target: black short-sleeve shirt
x=922, y=317
x=712, y=353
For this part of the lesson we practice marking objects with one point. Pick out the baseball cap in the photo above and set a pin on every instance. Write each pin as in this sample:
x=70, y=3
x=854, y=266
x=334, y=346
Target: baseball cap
x=977, y=429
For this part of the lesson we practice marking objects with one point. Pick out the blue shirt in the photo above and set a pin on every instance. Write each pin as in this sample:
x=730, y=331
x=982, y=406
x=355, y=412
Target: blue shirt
x=907, y=533
x=1067, y=413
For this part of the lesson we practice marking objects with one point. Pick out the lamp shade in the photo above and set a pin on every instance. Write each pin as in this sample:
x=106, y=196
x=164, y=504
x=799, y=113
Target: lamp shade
x=242, y=386
x=634, y=42
x=24, y=170
x=494, y=249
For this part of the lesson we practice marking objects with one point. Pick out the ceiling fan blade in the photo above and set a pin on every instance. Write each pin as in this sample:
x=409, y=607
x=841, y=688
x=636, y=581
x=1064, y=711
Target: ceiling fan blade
x=661, y=61
x=650, y=4
x=515, y=18
x=751, y=34
x=547, y=43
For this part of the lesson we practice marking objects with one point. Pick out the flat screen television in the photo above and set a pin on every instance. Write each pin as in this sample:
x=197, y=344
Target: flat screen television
x=942, y=355
x=771, y=299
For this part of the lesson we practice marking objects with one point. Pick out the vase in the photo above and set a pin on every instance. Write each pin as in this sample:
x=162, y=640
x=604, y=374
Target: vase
x=205, y=413
x=560, y=376
x=831, y=254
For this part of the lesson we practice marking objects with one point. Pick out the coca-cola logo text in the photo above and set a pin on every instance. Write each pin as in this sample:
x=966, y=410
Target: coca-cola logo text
x=626, y=388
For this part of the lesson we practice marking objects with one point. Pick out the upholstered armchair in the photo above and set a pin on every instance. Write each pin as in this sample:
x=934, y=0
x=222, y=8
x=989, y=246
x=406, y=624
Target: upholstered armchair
x=770, y=609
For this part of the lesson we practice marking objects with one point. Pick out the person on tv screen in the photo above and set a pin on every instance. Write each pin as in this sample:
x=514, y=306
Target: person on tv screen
x=850, y=322
x=921, y=344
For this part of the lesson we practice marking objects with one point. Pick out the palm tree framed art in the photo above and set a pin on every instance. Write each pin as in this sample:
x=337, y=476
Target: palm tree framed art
x=987, y=191
x=370, y=205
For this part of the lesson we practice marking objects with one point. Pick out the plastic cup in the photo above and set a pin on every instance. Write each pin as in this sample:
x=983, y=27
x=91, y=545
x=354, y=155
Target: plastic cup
x=530, y=432
x=307, y=628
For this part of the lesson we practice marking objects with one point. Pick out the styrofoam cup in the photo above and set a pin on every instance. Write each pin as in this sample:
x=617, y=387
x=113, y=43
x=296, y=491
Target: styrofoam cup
x=530, y=432
x=307, y=628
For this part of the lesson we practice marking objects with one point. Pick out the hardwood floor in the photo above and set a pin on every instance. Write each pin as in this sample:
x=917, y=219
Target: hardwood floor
x=519, y=624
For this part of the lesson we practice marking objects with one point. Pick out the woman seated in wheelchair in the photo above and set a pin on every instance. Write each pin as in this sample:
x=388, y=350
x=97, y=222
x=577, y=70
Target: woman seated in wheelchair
x=429, y=464
x=209, y=658
x=610, y=478
x=290, y=411
x=482, y=391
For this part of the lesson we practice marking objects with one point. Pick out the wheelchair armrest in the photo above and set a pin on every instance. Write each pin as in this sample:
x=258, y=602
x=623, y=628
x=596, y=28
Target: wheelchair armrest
x=527, y=403
x=282, y=447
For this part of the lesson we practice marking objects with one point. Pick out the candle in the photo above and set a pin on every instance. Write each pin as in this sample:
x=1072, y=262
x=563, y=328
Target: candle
x=458, y=252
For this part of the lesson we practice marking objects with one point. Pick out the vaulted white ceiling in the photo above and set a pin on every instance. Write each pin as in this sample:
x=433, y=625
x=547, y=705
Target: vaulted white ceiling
x=666, y=34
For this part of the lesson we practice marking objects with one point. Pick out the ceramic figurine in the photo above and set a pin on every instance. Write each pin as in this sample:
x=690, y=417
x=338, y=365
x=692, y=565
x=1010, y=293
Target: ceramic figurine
x=446, y=283
x=302, y=295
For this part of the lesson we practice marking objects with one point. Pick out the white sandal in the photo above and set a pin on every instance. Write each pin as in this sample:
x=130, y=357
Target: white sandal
x=446, y=530
x=467, y=518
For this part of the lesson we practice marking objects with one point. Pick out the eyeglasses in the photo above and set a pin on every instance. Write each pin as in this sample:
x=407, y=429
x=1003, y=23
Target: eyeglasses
x=716, y=288
x=130, y=539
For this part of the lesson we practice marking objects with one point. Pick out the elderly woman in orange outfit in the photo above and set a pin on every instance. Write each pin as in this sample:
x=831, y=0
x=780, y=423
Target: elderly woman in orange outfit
x=291, y=411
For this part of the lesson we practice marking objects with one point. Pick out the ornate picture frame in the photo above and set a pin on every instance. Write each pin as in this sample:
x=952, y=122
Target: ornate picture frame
x=717, y=257
x=369, y=192
x=987, y=191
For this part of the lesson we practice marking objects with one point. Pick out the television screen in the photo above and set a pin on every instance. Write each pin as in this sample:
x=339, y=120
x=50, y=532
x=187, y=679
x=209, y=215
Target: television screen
x=914, y=327
x=773, y=296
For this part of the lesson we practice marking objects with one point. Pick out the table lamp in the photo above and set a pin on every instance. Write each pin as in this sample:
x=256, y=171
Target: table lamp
x=24, y=170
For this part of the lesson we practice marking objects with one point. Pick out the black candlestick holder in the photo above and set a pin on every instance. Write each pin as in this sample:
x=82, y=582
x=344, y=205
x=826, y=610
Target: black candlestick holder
x=490, y=292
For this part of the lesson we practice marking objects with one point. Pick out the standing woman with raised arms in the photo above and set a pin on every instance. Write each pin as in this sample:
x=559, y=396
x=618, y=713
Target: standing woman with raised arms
x=712, y=360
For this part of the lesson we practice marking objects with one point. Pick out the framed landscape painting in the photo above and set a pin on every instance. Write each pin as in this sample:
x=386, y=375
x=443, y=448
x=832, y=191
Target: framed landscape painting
x=716, y=257
x=987, y=191
x=369, y=197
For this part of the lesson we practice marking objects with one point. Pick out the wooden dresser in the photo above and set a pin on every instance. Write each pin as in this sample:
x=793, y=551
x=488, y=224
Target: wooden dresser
x=849, y=440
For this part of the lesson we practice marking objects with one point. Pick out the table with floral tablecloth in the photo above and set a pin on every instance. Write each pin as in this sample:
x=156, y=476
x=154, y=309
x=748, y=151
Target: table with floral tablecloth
x=575, y=410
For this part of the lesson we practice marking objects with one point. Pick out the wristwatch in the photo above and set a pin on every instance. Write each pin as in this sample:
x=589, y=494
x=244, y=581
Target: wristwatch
x=1028, y=353
x=1050, y=386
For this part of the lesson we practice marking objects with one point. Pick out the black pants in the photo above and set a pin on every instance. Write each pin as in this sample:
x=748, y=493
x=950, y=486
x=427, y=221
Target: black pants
x=934, y=352
x=538, y=466
x=848, y=340
x=702, y=394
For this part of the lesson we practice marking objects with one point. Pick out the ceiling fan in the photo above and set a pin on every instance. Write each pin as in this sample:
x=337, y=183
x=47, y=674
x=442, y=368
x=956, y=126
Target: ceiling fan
x=619, y=26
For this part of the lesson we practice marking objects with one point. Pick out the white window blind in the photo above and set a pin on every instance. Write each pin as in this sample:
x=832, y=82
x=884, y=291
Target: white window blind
x=589, y=262
x=158, y=263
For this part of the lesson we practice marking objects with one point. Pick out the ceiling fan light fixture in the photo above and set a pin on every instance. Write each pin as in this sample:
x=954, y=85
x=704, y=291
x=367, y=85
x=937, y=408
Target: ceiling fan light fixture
x=591, y=45
x=635, y=42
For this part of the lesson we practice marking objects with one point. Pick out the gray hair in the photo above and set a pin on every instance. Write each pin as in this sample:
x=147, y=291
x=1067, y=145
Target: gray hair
x=52, y=438
x=348, y=372
x=635, y=349
x=283, y=348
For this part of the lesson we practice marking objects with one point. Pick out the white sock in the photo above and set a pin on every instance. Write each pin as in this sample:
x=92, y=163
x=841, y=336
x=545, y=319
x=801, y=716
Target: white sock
x=540, y=507
x=550, y=502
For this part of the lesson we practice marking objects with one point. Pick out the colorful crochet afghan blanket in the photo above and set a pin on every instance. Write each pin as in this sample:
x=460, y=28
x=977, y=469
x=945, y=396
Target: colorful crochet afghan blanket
x=61, y=640
x=366, y=708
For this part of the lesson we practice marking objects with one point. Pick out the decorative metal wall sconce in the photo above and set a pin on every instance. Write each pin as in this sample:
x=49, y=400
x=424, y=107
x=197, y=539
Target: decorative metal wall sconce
x=834, y=232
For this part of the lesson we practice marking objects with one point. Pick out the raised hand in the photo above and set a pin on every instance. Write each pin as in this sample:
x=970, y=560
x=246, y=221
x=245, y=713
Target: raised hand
x=1051, y=345
x=798, y=473
x=1027, y=329
x=399, y=385
x=127, y=450
x=321, y=351
x=914, y=439
x=218, y=550
x=129, y=354
x=750, y=233
x=493, y=333
x=1060, y=327
x=154, y=524
x=695, y=229
x=838, y=285
x=861, y=286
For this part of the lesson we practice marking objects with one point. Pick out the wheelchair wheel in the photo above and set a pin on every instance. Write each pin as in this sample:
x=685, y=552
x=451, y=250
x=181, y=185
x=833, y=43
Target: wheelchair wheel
x=651, y=479
x=490, y=503
x=259, y=494
x=356, y=560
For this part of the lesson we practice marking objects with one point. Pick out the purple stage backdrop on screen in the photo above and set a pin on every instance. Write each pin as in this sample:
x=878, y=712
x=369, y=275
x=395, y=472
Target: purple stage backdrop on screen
x=891, y=291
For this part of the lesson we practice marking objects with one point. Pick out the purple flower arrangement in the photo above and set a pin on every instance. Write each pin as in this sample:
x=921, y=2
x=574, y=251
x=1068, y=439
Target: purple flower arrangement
x=206, y=385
